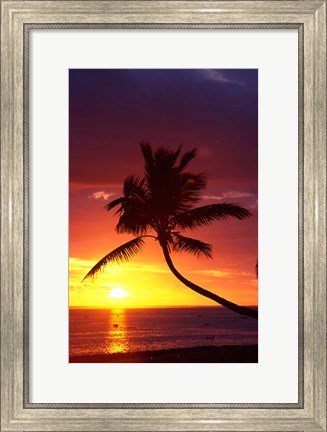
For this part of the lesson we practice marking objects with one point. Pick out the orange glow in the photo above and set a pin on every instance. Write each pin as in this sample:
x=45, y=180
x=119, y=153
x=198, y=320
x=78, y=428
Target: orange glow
x=146, y=281
x=118, y=293
x=110, y=112
x=116, y=339
x=146, y=277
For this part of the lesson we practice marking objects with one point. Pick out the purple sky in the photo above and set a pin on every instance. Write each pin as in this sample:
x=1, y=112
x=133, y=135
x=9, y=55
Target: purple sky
x=215, y=111
x=111, y=111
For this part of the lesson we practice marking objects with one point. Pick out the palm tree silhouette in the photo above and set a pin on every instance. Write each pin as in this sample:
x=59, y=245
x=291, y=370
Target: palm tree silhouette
x=159, y=205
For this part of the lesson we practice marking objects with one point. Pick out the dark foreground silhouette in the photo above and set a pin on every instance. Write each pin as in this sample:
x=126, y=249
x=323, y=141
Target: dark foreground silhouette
x=160, y=205
x=202, y=354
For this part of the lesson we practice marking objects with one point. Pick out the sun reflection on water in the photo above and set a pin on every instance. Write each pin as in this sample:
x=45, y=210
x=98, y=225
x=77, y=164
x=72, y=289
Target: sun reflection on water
x=117, y=340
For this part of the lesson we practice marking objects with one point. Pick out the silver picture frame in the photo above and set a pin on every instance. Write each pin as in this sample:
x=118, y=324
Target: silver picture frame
x=18, y=18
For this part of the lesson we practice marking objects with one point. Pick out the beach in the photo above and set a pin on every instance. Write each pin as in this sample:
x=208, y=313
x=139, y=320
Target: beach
x=160, y=335
x=201, y=354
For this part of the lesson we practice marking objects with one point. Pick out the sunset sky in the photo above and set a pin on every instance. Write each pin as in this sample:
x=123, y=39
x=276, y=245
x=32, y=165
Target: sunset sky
x=111, y=112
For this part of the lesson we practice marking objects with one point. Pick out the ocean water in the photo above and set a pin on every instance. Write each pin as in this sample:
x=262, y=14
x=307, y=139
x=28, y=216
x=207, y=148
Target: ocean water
x=100, y=331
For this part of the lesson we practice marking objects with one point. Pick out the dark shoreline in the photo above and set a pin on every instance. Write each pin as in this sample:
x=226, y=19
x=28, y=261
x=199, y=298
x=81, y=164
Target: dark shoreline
x=202, y=354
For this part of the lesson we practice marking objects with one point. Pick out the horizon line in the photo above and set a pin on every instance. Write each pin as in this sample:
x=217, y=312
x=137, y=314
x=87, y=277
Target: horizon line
x=154, y=307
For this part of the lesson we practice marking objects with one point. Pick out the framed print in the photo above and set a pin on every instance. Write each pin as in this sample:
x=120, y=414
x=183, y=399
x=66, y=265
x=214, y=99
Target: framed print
x=163, y=225
x=152, y=320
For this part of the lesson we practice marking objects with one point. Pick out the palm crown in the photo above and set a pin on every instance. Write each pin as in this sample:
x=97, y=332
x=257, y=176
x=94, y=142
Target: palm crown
x=160, y=205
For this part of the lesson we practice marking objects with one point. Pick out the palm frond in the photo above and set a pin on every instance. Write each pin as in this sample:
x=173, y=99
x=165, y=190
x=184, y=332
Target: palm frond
x=203, y=216
x=134, y=213
x=186, y=159
x=165, y=158
x=114, y=203
x=118, y=255
x=133, y=221
x=190, y=188
x=148, y=157
x=187, y=244
x=134, y=187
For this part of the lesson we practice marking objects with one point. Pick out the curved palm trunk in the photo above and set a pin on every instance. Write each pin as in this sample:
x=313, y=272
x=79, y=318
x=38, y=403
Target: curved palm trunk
x=220, y=300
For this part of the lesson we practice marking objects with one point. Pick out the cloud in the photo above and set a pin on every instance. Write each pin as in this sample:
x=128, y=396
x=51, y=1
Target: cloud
x=229, y=194
x=79, y=265
x=228, y=275
x=145, y=268
x=215, y=273
x=218, y=76
x=101, y=194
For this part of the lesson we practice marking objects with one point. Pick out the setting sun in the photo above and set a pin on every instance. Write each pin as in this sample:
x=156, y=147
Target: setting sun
x=163, y=238
x=118, y=293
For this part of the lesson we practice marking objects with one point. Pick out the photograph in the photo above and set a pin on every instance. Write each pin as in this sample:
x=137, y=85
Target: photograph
x=163, y=215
